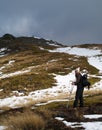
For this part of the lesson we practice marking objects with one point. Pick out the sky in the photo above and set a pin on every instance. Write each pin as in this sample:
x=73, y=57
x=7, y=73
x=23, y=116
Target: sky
x=68, y=22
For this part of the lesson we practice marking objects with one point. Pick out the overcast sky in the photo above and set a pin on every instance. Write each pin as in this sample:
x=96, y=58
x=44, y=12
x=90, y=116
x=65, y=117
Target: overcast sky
x=65, y=21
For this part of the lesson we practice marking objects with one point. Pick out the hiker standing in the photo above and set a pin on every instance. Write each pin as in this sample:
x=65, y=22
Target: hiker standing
x=80, y=88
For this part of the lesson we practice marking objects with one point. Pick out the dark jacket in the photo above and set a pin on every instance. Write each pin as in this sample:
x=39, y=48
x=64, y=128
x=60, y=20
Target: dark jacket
x=78, y=79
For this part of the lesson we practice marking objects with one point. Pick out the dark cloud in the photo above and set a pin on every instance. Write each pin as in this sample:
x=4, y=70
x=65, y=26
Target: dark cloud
x=66, y=21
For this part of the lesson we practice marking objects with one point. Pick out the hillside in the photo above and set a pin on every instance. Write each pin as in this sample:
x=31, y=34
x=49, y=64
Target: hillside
x=32, y=55
x=36, y=72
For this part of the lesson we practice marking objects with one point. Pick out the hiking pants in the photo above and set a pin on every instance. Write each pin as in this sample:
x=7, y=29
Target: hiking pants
x=79, y=96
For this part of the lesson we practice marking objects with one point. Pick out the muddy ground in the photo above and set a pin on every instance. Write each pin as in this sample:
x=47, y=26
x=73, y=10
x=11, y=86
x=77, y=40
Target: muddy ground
x=69, y=114
x=74, y=115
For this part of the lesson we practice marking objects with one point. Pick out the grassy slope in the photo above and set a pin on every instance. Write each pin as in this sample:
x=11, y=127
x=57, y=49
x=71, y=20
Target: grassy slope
x=26, y=55
x=26, y=52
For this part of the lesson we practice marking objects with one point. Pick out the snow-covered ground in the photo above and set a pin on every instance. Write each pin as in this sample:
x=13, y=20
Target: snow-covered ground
x=92, y=125
x=2, y=127
x=63, y=85
x=2, y=53
x=96, y=61
x=78, y=51
x=92, y=54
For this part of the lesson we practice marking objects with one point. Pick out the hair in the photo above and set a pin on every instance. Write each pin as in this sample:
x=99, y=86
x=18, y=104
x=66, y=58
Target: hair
x=77, y=69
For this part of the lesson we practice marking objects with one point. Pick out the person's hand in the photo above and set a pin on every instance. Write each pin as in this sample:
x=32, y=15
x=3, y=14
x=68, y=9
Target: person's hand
x=73, y=83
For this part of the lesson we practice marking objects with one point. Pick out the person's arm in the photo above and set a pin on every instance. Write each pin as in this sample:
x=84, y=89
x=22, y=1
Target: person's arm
x=78, y=77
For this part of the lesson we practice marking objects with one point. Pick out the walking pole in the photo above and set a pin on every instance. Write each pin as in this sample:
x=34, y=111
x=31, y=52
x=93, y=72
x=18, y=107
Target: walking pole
x=71, y=90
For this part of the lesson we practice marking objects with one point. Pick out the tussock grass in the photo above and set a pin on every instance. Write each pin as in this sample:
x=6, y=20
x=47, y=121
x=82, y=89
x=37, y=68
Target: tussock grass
x=26, y=83
x=26, y=121
x=93, y=80
x=94, y=97
x=93, y=92
x=5, y=108
x=45, y=112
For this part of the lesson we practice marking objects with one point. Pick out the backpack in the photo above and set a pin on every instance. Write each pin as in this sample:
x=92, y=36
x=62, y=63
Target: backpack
x=84, y=80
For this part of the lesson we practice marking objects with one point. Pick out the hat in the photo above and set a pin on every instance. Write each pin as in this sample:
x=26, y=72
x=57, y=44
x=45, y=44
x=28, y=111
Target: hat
x=84, y=71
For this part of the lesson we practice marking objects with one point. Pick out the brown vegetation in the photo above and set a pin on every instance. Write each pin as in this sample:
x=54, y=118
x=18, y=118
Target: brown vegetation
x=26, y=53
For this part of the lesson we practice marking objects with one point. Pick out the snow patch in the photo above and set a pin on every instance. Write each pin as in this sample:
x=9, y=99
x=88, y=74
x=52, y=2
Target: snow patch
x=96, y=61
x=77, y=51
x=95, y=125
x=94, y=116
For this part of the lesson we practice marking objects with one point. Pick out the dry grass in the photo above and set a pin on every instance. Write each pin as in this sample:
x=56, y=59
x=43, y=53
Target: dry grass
x=98, y=46
x=46, y=62
x=46, y=113
x=94, y=80
x=93, y=92
x=94, y=97
x=28, y=82
x=26, y=121
x=26, y=55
